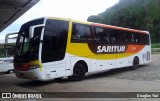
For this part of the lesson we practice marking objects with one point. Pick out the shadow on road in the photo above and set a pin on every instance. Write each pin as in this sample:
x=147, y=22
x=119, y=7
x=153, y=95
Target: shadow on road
x=32, y=84
x=112, y=72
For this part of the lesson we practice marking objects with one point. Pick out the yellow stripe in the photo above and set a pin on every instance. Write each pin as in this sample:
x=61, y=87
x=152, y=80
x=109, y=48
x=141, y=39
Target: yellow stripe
x=34, y=62
x=40, y=64
x=80, y=22
x=56, y=18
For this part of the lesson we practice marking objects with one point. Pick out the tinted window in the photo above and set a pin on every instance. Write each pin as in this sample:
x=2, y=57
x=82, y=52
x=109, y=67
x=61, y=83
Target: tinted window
x=106, y=35
x=114, y=36
x=84, y=33
x=128, y=37
x=81, y=33
x=54, y=40
x=147, y=42
x=138, y=38
x=101, y=35
x=120, y=36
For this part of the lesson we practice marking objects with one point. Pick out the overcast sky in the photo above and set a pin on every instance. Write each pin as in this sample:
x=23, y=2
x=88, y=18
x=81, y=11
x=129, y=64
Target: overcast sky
x=73, y=9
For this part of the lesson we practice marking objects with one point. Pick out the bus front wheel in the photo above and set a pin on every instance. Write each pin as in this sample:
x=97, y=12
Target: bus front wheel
x=78, y=72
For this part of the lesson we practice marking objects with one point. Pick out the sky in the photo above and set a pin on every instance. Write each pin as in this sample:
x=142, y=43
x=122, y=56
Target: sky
x=73, y=9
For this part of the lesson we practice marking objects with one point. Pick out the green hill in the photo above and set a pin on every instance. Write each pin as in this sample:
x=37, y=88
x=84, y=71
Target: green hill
x=135, y=14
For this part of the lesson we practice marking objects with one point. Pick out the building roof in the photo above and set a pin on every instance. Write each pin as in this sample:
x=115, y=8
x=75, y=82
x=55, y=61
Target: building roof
x=10, y=10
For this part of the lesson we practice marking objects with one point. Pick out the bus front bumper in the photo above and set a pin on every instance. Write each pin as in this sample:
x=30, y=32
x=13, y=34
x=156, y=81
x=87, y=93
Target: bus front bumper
x=30, y=74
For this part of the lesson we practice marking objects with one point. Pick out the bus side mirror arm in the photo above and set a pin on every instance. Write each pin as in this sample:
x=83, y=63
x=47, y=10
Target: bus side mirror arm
x=31, y=30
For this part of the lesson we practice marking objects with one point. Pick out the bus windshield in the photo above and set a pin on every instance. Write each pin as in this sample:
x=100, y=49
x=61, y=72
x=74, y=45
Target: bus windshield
x=28, y=49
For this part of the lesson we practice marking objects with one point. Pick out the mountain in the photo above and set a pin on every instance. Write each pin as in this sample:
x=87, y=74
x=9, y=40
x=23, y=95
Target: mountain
x=135, y=14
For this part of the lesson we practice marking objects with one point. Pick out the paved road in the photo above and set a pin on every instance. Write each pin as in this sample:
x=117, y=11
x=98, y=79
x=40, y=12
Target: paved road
x=143, y=79
x=149, y=72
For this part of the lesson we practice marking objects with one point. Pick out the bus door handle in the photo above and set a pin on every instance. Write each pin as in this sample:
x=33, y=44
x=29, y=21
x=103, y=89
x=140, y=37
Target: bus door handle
x=53, y=71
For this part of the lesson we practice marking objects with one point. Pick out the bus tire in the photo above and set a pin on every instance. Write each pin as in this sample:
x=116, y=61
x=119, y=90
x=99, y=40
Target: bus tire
x=78, y=72
x=9, y=72
x=135, y=64
x=58, y=79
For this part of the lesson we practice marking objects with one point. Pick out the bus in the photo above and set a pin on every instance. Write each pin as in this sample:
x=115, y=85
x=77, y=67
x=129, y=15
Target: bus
x=50, y=47
x=6, y=62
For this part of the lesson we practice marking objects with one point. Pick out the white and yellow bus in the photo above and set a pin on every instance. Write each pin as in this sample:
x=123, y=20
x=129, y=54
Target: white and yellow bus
x=49, y=48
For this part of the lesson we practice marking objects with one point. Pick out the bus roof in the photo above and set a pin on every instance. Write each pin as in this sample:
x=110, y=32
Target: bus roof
x=120, y=28
x=101, y=25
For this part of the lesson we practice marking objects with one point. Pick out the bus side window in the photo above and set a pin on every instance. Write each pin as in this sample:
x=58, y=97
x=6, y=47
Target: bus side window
x=125, y=39
x=128, y=38
x=147, y=42
x=106, y=36
x=120, y=36
x=101, y=35
x=81, y=33
x=145, y=39
x=87, y=31
x=113, y=40
x=98, y=34
x=132, y=38
x=113, y=36
x=78, y=32
x=136, y=39
x=140, y=39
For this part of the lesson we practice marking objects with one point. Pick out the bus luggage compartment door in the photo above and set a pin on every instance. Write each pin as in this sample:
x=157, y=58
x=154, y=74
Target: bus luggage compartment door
x=55, y=71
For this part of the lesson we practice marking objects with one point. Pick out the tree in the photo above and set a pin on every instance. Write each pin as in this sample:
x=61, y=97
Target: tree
x=135, y=14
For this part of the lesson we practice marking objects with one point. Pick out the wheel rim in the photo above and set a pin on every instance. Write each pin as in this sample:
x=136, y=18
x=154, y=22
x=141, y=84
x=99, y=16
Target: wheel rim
x=77, y=72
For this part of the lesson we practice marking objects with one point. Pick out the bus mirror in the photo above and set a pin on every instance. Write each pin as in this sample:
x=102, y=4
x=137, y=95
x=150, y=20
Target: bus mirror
x=31, y=32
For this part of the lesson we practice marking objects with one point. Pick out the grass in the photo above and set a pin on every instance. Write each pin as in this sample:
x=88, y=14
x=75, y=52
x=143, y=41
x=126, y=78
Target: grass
x=155, y=45
x=2, y=53
x=155, y=48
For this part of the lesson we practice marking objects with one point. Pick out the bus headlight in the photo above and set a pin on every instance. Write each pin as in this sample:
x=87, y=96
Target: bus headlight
x=34, y=67
x=1, y=62
x=8, y=61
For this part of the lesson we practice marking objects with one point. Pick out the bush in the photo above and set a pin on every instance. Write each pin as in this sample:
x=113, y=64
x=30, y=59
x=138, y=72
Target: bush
x=155, y=45
x=2, y=53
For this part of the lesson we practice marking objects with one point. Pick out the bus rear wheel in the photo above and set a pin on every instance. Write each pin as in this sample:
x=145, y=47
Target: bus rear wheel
x=78, y=72
x=10, y=71
x=135, y=63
